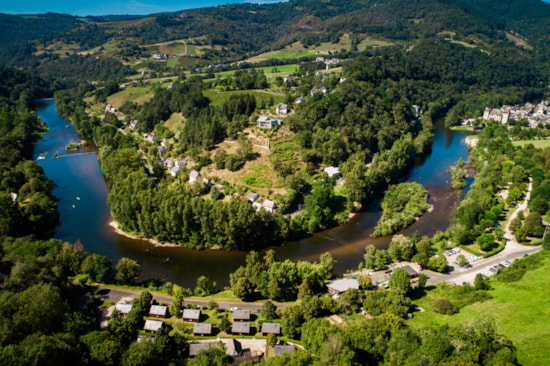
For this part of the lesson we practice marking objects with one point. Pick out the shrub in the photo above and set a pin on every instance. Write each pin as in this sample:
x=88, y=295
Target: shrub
x=444, y=306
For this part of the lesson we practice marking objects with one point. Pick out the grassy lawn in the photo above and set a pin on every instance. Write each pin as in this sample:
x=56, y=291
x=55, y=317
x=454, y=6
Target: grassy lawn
x=138, y=95
x=297, y=50
x=539, y=144
x=219, y=98
x=256, y=177
x=520, y=311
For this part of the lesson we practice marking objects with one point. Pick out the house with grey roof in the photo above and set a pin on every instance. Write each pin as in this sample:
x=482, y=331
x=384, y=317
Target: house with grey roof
x=280, y=349
x=241, y=328
x=338, y=287
x=152, y=326
x=195, y=348
x=241, y=315
x=158, y=311
x=271, y=328
x=202, y=329
x=191, y=315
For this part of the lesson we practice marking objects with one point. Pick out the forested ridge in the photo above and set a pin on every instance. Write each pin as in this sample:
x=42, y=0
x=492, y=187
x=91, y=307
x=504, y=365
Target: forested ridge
x=365, y=125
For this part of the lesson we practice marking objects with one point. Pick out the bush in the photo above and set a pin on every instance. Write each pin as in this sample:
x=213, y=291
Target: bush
x=444, y=306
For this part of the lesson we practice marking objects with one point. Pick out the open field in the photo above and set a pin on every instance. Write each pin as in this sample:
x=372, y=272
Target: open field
x=539, y=144
x=297, y=50
x=136, y=94
x=519, y=310
x=218, y=98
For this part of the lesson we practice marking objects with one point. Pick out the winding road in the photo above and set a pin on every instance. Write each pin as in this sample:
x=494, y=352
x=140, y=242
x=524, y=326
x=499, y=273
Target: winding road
x=512, y=251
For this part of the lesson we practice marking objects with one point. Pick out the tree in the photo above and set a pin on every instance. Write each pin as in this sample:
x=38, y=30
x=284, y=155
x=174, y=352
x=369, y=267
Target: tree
x=533, y=225
x=438, y=263
x=486, y=241
x=461, y=259
x=400, y=280
x=480, y=283
x=213, y=356
x=268, y=311
x=96, y=267
x=382, y=259
x=243, y=289
x=204, y=286
x=127, y=270
x=422, y=280
x=224, y=324
x=176, y=306
x=444, y=306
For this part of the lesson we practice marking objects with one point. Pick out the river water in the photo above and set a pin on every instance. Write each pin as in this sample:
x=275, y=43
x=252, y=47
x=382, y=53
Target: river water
x=85, y=216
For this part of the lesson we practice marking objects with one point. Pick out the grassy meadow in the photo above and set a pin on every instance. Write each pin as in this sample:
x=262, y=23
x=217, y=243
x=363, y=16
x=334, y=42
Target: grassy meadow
x=519, y=310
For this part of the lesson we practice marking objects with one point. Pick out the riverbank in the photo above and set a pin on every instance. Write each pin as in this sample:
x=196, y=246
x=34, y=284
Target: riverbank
x=154, y=242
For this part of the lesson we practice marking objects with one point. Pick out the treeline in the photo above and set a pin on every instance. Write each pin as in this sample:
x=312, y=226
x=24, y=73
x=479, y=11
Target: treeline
x=281, y=281
x=26, y=201
x=401, y=206
x=172, y=212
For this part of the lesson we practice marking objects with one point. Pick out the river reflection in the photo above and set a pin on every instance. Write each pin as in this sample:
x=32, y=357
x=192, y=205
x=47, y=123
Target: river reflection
x=85, y=217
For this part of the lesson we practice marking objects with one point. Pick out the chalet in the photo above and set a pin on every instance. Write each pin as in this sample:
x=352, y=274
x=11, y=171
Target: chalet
x=134, y=124
x=202, y=329
x=158, y=311
x=412, y=273
x=195, y=348
x=281, y=109
x=193, y=176
x=152, y=326
x=241, y=315
x=271, y=328
x=269, y=205
x=321, y=74
x=342, y=79
x=338, y=287
x=174, y=171
x=240, y=328
x=299, y=100
x=251, y=196
x=123, y=309
x=317, y=90
x=332, y=172
x=181, y=163
x=110, y=109
x=280, y=349
x=191, y=315
x=266, y=122
x=289, y=79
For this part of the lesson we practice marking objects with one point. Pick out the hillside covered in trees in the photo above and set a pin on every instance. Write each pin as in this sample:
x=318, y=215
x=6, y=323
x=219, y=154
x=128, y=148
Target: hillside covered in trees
x=164, y=99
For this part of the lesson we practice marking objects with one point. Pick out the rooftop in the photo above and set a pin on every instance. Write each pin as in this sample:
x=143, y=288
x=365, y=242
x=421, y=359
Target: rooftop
x=152, y=325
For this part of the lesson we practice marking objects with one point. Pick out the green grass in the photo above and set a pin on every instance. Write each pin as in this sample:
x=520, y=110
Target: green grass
x=520, y=311
x=219, y=99
x=297, y=50
x=539, y=144
x=256, y=178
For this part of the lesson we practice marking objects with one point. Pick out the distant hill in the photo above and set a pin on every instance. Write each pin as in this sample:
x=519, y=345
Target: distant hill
x=28, y=27
x=236, y=32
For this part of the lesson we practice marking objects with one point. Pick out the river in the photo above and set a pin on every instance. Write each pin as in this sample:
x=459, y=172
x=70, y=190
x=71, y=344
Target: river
x=85, y=216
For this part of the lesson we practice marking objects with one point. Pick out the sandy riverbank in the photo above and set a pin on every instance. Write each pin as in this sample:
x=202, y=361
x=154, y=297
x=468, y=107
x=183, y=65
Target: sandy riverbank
x=155, y=242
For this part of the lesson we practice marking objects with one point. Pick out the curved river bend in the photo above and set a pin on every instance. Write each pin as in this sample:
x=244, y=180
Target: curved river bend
x=85, y=217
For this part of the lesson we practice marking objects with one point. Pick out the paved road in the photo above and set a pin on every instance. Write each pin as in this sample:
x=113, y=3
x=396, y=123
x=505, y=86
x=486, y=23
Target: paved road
x=512, y=251
x=115, y=295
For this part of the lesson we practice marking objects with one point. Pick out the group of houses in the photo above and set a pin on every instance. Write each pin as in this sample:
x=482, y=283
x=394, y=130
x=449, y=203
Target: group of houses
x=535, y=114
x=240, y=349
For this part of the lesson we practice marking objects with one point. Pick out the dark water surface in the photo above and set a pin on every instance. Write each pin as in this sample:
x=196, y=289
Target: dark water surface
x=85, y=217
